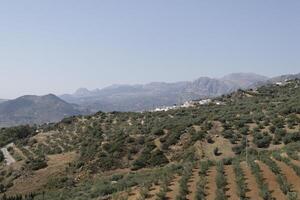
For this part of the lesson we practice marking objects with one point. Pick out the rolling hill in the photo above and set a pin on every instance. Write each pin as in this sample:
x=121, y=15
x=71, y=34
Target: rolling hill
x=35, y=109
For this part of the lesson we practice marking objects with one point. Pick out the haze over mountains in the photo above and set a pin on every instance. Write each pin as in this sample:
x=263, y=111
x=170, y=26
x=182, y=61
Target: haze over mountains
x=50, y=108
x=2, y=100
x=148, y=96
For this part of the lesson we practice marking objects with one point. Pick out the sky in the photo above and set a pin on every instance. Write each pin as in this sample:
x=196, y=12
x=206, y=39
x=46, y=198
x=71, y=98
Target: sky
x=57, y=46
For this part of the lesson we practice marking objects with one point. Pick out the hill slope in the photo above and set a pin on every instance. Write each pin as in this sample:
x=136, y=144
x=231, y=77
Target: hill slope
x=35, y=109
x=110, y=154
x=2, y=100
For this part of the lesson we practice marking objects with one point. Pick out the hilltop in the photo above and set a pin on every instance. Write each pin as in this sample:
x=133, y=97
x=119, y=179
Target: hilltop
x=152, y=154
x=32, y=109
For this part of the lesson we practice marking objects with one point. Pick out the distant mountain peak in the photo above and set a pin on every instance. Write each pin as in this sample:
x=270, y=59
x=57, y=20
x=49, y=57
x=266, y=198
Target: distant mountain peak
x=82, y=92
x=244, y=80
x=244, y=75
x=140, y=97
x=31, y=109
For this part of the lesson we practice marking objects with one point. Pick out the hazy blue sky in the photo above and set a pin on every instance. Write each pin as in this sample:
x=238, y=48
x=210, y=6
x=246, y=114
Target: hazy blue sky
x=59, y=45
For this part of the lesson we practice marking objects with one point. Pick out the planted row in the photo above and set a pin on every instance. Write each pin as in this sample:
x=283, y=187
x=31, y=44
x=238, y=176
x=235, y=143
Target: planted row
x=221, y=182
x=204, y=167
x=183, y=183
x=240, y=180
x=281, y=179
x=256, y=171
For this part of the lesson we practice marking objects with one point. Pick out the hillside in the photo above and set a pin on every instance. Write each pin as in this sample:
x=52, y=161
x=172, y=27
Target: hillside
x=179, y=154
x=276, y=79
x=35, y=109
x=145, y=97
x=2, y=100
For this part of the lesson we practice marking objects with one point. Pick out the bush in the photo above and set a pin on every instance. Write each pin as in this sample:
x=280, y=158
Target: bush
x=183, y=191
x=221, y=182
x=216, y=151
x=281, y=179
x=150, y=159
x=264, y=190
x=262, y=140
x=204, y=167
x=240, y=180
x=1, y=156
x=291, y=137
x=37, y=163
x=158, y=131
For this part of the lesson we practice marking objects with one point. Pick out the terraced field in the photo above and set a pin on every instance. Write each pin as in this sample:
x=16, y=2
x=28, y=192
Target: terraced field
x=174, y=187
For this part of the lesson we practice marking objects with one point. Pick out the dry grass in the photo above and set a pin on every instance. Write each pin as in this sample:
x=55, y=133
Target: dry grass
x=197, y=128
x=224, y=146
x=35, y=181
x=216, y=129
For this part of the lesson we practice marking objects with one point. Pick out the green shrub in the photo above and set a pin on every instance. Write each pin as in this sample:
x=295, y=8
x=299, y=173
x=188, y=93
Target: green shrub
x=1, y=156
x=240, y=180
x=221, y=182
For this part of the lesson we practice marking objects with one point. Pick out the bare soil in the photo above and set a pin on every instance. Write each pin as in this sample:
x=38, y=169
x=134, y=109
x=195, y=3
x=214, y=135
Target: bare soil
x=253, y=192
x=192, y=185
x=232, y=187
x=32, y=182
x=134, y=194
x=211, y=185
x=291, y=175
x=217, y=128
x=295, y=162
x=224, y=146
x=152, y=192
x=270, y=178
x=173, y=188
x=18, y=151
x=199, y=150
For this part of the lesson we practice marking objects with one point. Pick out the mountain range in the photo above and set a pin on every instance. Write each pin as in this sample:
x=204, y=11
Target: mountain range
x=32, y=109
x=35, y=109
x=156, y=94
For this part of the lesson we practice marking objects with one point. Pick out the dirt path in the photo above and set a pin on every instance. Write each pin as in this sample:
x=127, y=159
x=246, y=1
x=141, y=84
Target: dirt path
x=291, y=175
x=192, y=185
x=152, y=192
x=173, y=188
x=253, y=192
x=7, y=156
x=211, y=185
x=232, y=187
x=270, y=178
